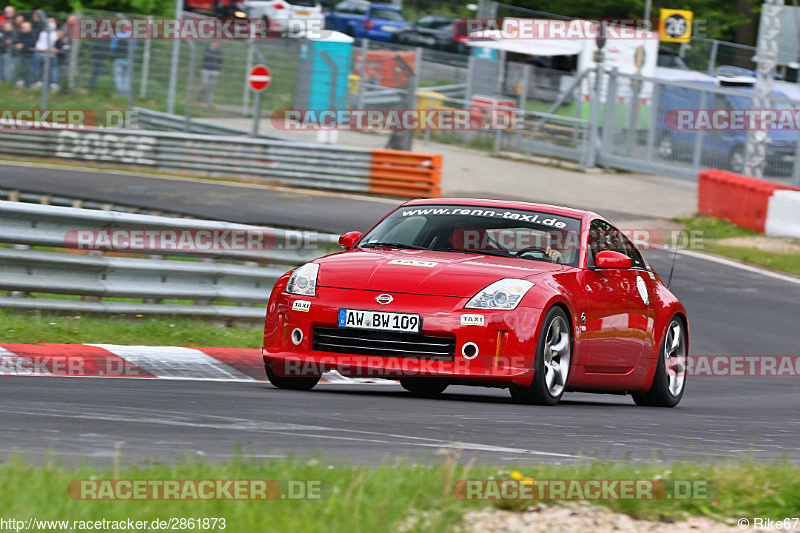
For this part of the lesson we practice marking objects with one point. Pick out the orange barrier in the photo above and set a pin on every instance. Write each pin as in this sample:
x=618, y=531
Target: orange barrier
x=382, y=68
x=401, y=173
x=739, y=199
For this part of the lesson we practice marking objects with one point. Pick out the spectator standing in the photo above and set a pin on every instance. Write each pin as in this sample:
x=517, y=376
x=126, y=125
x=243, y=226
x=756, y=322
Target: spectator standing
x=7, y=35
x=46, y=48
x=8, y=15
x=122, y=71
x=38, y=21
x=25, y=45
x=64, y=45
x=212, y=64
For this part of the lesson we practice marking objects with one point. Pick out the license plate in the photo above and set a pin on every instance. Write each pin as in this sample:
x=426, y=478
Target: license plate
x=380, y=320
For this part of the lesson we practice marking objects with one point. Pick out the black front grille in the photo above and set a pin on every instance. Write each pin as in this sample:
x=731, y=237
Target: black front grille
x=384, y=343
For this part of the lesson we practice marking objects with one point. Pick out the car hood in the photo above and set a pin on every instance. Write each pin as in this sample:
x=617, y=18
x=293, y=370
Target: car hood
x=423, y=272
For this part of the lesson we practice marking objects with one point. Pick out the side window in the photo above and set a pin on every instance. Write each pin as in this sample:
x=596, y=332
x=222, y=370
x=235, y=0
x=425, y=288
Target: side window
x=630, y=250
x=598, y=239
x=603, y=236
x=342, y=7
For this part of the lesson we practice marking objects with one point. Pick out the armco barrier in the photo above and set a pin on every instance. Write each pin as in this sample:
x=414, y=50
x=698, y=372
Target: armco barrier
x=318, y=166
x=736, y=198
x=224, y=282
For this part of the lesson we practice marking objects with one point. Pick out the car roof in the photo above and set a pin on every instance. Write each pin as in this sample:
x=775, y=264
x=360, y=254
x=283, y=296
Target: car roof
x=508, y=204
x=382, y=5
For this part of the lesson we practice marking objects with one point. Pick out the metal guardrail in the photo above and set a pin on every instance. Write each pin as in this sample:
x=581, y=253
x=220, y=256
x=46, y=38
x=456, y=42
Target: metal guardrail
x=296, y=163
x=152, y=275
x=147, y=119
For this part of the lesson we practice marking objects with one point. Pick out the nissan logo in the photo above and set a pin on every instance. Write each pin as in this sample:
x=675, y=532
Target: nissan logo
x=384, y=299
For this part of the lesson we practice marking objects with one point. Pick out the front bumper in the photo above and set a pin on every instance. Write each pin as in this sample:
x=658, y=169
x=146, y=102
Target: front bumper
x=505, y=340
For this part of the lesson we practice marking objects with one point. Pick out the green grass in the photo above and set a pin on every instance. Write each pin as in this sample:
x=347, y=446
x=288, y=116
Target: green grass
x=713, y=230
x=384, y=498
x=32, y=327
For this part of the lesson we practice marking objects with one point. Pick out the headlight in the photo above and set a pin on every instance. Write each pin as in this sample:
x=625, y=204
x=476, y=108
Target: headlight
x=503, y=294
x=240, y=14
x=303, y=281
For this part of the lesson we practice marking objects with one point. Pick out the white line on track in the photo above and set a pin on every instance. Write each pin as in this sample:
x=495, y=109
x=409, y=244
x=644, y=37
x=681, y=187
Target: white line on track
x=741, y=266
x=183, y=419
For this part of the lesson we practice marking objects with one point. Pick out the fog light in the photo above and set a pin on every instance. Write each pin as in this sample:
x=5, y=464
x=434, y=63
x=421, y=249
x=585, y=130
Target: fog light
x=469, y=350
x=297, y=336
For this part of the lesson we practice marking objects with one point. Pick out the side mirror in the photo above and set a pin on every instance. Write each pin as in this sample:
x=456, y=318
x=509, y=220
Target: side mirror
x=349, y=239
x=611, y=259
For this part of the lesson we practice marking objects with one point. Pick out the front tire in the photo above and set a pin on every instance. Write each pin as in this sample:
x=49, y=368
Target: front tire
x=425, y=387
x=551, y=364
x=670, y=379
x=290, y=383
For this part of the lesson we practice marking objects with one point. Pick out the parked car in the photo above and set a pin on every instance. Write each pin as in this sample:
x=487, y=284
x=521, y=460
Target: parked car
x=304, y=14
x=219, y=8
x=366, y=20
x=721, y=148
x=433, y=31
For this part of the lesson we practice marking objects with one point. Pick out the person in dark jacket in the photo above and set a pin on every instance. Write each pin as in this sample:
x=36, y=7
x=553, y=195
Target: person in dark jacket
x=8, y=63
x=24, y=46
x=209, y=70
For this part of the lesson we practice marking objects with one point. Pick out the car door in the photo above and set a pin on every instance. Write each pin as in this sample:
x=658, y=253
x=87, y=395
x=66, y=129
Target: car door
x=617, y=311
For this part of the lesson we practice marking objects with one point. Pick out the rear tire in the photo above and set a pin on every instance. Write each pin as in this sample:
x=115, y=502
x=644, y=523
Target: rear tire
x=669, y=381
x=290, y=383
x=425, y=387
x=551, y=364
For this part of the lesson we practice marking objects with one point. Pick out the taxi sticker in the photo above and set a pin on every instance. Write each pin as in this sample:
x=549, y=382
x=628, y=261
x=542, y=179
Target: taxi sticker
x=301, y=305
x=471, y=320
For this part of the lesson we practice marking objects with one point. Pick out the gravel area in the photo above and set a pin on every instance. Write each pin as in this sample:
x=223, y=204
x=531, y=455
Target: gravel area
x=580, y=518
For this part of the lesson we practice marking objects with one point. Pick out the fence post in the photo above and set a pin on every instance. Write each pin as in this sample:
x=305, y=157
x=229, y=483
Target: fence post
x=131, y=72
x=73, y=61
x=610, y=120
x=698, y=142
x=187, y=127
x=145, y=65
x=249, y=67
x=46, y=73
x=173, y=70
x=362, y=77
x=594, y=126
x=796, y=166
x=651, y=122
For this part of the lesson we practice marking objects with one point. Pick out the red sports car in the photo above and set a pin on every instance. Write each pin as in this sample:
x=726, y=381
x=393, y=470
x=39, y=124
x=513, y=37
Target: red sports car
x=535, y=298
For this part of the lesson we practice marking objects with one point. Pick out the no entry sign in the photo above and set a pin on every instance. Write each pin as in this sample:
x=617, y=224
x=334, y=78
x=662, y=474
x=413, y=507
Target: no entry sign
x=259, y=78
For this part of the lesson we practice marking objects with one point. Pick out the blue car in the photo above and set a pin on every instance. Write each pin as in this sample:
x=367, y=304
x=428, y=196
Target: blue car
x=725, y=148
x=366, y=20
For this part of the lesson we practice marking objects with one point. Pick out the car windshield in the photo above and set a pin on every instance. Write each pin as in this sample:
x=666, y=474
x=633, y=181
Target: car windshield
x=497, y=231
x=386, y=14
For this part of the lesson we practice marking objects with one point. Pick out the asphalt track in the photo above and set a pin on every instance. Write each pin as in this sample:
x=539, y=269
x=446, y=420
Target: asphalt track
x=731, y=312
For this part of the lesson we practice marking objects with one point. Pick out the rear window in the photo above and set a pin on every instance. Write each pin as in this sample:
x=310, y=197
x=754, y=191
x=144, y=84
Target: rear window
x=386, y=14
x=303, y=3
